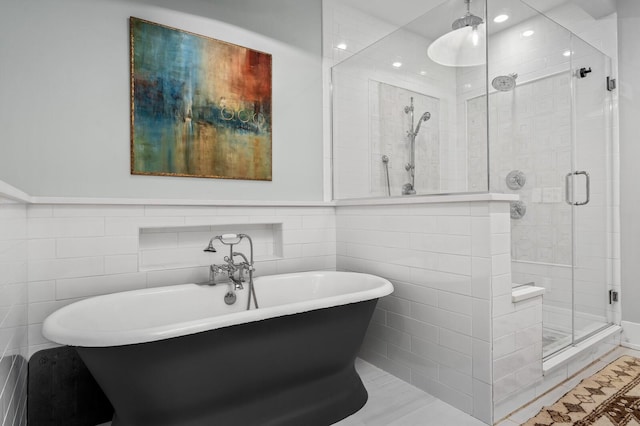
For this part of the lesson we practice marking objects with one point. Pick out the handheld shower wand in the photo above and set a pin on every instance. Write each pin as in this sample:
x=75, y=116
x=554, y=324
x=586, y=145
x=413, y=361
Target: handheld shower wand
x=409, y=188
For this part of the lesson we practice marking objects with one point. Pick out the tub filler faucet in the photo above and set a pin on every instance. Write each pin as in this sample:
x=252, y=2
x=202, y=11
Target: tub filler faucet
x=234, y=273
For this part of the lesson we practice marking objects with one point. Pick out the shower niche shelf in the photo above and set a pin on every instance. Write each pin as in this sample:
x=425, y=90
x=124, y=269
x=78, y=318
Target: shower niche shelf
x=182, y=247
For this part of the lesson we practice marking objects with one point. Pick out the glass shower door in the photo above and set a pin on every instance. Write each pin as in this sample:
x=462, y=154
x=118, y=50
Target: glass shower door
x=589, y=189
x=553, y=129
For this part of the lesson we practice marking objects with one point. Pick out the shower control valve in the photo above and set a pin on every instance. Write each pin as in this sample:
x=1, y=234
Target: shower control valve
x=518, y=209
x=516, y=179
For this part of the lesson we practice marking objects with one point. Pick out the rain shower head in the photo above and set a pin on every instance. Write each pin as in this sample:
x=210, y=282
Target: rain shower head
x=505, y=83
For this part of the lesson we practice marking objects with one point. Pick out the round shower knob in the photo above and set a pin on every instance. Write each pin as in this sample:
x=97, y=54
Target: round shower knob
x=518, y=209
x=516, y=179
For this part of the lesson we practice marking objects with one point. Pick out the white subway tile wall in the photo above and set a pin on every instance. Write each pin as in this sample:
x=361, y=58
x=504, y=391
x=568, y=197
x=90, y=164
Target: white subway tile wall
x=449, y=328
x=363, y=131
x=435, y=330
x=552, y=378
x=516, y=362
x=77, y=251
x=389, y=124
x=13, y=313
x=530, y=129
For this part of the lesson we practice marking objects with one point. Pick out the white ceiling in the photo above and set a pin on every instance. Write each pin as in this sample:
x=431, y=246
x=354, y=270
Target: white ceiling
x=401, y=12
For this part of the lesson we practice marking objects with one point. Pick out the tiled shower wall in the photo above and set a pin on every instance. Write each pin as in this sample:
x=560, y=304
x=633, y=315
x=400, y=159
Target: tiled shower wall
x=13, y=313
x=539, y=129
x=353, y=139
x=446, y=262
x=533, y=135
x=76, y=251
x=389, y=125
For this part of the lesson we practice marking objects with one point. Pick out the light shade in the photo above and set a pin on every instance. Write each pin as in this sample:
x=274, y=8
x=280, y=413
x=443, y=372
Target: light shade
x=464, y=47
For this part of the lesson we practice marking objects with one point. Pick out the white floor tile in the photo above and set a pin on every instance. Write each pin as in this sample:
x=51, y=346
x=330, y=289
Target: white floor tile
x=437, y=413
x=393, y=402
x=508, y=422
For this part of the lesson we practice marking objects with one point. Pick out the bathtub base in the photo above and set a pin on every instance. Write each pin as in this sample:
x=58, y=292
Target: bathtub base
x=285, y=371
x=318, y=404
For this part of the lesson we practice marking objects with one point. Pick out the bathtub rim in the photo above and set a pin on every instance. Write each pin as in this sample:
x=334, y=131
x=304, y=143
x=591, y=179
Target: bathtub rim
x=62, y=334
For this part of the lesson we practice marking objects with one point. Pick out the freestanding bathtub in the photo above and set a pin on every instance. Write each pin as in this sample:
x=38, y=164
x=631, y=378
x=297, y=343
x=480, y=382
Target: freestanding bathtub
x=179, y=356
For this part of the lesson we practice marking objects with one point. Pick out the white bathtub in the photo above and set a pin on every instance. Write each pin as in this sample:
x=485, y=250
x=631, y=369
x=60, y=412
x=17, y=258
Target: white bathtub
x=152, y=314
x=179, y=356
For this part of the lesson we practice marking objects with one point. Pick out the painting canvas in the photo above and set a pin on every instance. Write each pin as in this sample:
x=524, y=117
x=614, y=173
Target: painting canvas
x=200, y=107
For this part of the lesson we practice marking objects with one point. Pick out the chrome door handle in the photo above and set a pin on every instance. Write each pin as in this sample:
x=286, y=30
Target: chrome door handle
x=588, y=188
x=588, y=183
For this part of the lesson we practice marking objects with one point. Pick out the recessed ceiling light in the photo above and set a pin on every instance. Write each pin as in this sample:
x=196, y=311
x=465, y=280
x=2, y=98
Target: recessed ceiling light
x=423, y=73
x=528, y=33
x=500, y=18
x=397, y=64
x=566, y=53
x=342, y=46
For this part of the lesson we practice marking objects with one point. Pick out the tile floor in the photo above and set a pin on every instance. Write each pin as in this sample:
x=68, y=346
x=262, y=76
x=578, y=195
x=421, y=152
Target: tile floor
x=393, y=402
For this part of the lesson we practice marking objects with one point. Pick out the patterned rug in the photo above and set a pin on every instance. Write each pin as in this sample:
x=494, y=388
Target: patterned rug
x=610, y=397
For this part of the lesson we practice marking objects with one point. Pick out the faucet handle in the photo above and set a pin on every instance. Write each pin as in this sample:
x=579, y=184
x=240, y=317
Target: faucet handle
x=216, y=269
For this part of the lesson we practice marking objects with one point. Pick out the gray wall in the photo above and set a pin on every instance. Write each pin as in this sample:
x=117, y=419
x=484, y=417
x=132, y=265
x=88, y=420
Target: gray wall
x=629, y=64
x=64, y=109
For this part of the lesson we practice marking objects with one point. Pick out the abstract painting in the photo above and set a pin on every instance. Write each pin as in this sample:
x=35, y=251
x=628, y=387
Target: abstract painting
x=200, y=107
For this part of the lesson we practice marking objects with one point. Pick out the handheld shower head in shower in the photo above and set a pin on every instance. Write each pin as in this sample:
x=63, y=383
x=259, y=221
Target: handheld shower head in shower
x=423, y=117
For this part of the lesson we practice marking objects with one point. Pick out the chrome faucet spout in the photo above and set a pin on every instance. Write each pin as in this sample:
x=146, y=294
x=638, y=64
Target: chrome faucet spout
x=234, y=272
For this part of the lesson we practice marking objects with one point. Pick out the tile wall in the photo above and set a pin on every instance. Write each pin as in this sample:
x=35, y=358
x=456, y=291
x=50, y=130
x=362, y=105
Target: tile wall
x=446, y=261
x=389, y=127
x=449, y=262
x=435, y=331
x=77, y=251
x=353, y=139
x=13, y=313
x=551, y=378
x=532, y=134
x=517, y=349
x=342, y=24
x=554, y=122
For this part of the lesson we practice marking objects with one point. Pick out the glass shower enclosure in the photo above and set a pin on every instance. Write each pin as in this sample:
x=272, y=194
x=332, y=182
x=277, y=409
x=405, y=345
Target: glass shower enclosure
x=550, y=139
x=534, y=119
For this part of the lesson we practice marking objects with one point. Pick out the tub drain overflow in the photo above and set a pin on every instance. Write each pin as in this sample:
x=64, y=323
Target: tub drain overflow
x=230, y=298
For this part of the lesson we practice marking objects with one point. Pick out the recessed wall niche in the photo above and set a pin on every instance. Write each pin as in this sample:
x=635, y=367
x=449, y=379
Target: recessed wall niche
x=183, y=247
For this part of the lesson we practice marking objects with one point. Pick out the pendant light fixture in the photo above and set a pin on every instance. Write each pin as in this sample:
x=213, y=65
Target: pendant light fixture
x=464, y=46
